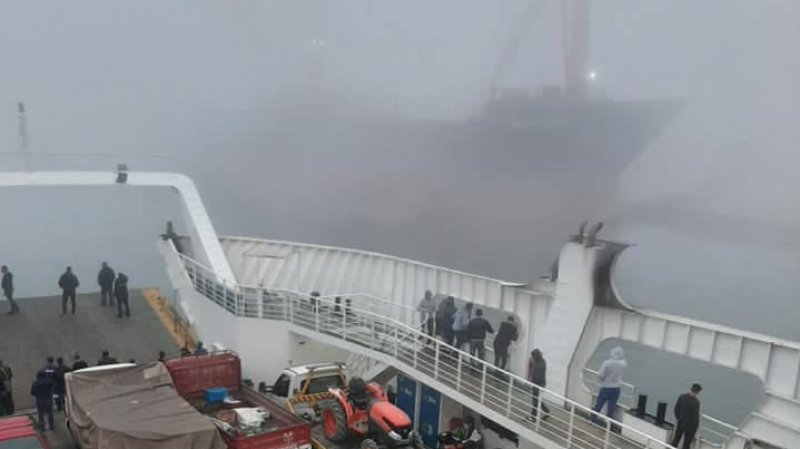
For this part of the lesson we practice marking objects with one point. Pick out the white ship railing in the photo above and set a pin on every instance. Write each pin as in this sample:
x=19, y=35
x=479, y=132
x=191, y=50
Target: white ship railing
x=500, y=391
x=719, y=431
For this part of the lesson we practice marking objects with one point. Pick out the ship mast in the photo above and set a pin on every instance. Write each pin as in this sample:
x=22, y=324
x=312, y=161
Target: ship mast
x=575, y=41
x=22, y=145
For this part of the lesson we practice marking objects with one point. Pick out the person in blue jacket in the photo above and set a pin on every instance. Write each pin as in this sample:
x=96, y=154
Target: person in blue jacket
x=42, y=390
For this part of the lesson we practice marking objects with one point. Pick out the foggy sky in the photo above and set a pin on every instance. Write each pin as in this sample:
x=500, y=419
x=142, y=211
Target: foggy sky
x=201, y=87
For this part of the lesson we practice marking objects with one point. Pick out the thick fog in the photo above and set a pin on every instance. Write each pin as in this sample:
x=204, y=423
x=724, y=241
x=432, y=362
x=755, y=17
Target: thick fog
x=353, y=123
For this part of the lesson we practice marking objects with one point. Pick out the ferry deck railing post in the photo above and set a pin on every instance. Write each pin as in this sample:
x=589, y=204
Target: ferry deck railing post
x=483, y=383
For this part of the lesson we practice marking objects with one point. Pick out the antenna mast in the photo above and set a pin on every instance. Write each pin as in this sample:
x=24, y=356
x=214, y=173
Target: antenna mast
x=23, y=139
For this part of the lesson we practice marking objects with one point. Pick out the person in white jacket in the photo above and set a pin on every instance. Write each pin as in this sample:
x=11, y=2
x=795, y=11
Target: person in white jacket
x=427, y=311
x=609, y=382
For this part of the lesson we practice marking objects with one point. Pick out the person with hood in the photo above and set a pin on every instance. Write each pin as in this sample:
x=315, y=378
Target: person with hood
x=505, y=335
x=609, y=381
x=199, y=349
x=537, y=374
x=427, y=310
x=477, y=329
x=444, y=319
x=42, y=390
x=68, y=283
x=59, y=384
x=121, y=292
x=105, y=278
x=460, y=324
x=7, y=285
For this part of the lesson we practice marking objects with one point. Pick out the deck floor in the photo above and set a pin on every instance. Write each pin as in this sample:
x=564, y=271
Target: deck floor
x=39, y=331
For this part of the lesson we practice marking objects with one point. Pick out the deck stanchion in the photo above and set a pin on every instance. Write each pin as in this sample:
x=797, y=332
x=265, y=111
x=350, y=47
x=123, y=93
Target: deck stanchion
x=435, y=361
x=571, y=428
x=608, y=434
x=395, y=342
x=510, y=395
x=459, y=362
x=483, y=383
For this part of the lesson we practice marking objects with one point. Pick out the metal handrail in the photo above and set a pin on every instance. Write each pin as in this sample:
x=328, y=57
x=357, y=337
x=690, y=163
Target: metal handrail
x=501, y=391
x=704, y=428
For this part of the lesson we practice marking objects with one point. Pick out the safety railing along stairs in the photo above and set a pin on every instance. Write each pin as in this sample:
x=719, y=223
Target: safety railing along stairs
x=499, y=395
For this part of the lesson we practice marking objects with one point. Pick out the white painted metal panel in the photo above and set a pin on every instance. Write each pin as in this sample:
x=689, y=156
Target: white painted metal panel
x=701, y=344
x=727, y=350
x=783, y=371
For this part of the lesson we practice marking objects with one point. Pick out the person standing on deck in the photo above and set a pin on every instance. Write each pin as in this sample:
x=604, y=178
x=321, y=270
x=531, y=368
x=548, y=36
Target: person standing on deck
x=121, y=292
x=106, y=359
x=505, y=335
x=609, y=380
x=42, y=390
x=477, y=329
x=427, y=309
x=460, y=323
x=78, y=363
x=7, y=285
x=69, y=285
x=59, y=385
x=7, y=398
x=537, y=373
x=444, y=319
x=687, y=412
x=105, y=278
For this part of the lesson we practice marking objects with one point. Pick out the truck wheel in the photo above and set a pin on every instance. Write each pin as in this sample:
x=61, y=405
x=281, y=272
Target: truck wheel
x=334, y=422
x=369, y=443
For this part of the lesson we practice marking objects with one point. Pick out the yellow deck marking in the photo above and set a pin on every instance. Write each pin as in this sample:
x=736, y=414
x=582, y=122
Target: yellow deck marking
x=174, y=325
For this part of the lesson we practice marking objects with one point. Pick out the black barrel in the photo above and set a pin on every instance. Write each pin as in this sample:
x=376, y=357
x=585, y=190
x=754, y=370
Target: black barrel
x=661, y=413
x=641, y=407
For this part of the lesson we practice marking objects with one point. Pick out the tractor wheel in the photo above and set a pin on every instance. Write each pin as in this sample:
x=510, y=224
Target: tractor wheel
x=369, y=443
x=334, y=422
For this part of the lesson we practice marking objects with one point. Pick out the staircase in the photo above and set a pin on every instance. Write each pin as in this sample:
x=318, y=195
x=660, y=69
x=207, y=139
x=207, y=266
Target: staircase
x=500, y=396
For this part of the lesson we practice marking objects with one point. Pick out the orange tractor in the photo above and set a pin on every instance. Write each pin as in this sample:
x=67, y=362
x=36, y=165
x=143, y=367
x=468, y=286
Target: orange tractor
x=365, y=412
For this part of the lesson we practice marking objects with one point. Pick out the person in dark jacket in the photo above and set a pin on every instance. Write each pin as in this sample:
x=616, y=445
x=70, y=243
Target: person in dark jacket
x=106, y=281
x=505, y=335
x=687, y=412
x=78, y=363
x=171, y=235
x=121, y=292
x=7, y=285
x=477, y=329
x=59, y=385
x=106, y=359
x=42, y=390
x=444, y=319
x=537, y=373
x=49, y=368
x=69, y=285
x=6, y=396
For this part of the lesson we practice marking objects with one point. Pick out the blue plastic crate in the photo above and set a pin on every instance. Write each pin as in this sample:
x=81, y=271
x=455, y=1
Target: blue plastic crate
x=216, y=394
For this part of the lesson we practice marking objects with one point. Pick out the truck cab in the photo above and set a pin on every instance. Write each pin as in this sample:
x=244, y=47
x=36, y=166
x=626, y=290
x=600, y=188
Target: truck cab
x=309, y=379
x=301, y=387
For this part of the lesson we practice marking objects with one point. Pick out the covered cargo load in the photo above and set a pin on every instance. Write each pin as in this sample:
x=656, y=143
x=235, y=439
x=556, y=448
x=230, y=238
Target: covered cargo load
x=134, y=407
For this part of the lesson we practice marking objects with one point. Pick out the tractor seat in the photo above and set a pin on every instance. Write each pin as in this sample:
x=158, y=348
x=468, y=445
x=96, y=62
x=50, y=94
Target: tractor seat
x=359, y=402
